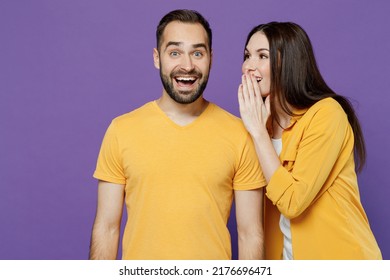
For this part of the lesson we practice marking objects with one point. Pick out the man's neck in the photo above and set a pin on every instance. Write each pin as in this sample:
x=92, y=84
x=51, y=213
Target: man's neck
x=181, y=114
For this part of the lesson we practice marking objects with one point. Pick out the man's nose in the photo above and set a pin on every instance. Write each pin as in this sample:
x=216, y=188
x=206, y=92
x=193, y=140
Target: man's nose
x=186, y=63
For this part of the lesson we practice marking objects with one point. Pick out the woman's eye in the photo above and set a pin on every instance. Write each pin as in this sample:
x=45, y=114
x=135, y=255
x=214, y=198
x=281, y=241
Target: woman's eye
x=263, y=56
x=246, y=56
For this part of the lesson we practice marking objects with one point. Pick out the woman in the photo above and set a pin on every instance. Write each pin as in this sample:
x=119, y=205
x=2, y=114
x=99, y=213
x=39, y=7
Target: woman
x=306, y=137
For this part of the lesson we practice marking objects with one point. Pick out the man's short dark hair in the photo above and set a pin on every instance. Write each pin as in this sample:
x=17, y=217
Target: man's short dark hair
x=185, y=16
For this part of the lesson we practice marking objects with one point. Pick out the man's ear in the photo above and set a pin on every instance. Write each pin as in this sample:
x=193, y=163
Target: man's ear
x=156, y=58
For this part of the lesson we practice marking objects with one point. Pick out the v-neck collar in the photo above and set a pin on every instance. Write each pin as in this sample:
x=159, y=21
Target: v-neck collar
x=198, y=119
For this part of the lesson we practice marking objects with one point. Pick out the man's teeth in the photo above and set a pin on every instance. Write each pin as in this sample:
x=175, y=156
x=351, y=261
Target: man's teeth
x=186, y=79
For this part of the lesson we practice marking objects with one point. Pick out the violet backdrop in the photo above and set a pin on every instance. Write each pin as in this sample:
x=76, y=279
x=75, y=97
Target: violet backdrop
x=68, y=67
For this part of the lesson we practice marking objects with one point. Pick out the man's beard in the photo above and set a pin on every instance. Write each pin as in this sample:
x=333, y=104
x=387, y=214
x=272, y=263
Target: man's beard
x=183, y=97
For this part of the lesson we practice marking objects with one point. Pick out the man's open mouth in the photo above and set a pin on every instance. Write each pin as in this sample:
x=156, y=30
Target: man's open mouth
x=185, y=80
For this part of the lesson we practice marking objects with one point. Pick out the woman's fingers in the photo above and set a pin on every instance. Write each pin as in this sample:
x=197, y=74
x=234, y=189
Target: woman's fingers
x=257, y=91
x=241, y=98
x=245, y=90
x=267, y=104
x=250, y=99
x=250, y=89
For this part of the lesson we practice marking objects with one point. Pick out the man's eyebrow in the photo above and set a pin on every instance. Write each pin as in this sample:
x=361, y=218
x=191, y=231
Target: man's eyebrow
x=171, y=43
x=178, y=44
x=200, y=45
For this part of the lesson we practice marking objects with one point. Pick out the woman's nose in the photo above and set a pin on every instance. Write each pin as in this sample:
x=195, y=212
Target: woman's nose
x=247, y=67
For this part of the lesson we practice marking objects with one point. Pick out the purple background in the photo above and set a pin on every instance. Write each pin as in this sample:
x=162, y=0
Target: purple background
x=68, y=67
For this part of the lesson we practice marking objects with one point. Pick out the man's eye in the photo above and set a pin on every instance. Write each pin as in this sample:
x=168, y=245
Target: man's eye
x=174, y=53
x=198, y=54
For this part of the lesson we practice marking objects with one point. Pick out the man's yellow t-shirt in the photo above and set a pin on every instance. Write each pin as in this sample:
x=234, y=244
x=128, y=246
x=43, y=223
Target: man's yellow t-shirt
x=179, y=180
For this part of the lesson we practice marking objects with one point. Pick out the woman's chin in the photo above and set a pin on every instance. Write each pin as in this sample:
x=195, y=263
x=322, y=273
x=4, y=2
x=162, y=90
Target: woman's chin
x=264, y=96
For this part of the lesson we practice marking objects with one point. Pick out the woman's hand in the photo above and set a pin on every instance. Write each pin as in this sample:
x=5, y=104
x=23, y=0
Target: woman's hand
x=254, y=111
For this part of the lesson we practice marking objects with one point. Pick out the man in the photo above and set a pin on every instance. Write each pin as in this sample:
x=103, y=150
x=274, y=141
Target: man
x=177, y=162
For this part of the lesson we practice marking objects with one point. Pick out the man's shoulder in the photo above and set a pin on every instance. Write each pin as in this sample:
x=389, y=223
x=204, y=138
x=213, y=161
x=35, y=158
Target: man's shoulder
x=226, y=118
x=224, y=114
x=134, y=115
